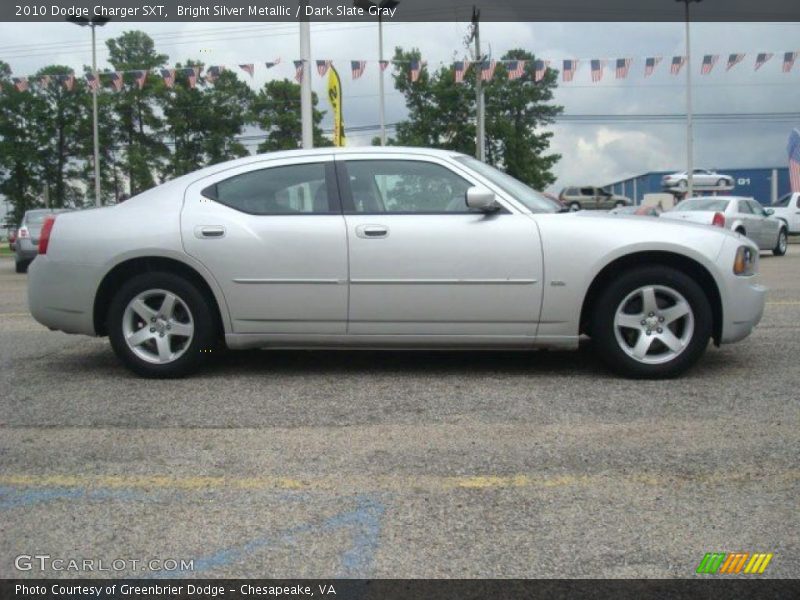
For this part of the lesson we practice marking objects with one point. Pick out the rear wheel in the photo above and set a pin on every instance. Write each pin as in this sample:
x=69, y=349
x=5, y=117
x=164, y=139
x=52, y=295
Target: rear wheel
x=722, y=183
x=619, y=204
x=160, y=325
x=21, y=266
x=574, y=206
x=651, y=322
x=783, y=243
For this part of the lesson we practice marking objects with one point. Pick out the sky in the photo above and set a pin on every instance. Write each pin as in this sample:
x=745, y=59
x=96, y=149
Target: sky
x=595, y=152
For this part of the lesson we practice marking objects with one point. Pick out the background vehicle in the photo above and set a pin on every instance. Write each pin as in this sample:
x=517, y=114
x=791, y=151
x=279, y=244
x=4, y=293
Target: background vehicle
x=787, y=209
x=12, y=238
x=742, y=215
x=700, y=178
x=385, y=247
x=579, y=198
x=26, y=246
x=639, y=211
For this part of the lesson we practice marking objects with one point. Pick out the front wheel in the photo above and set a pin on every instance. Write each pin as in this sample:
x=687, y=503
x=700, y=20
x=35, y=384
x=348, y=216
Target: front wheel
x=160, y=325
x=619, y=205
x=782, y=245
x=651, y=322
x=574, y=206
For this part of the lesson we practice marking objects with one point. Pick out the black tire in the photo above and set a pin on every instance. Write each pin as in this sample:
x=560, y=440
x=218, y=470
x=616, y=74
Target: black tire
x=605, y=308
x=619, y=205
x=574, y=206
x=205, y=335
x=722, y=183
x=21, y=266
x=782, y=243
x=741, y=231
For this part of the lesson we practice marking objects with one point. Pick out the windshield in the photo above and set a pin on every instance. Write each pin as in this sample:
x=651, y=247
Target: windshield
x=711, y=204
x=535, y=201
x=783, y=201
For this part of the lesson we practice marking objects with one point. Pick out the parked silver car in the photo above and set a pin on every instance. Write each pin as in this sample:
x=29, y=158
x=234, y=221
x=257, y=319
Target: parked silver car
x=742, y=215
x=26, y=245
x=700, y=178
x=386, y=248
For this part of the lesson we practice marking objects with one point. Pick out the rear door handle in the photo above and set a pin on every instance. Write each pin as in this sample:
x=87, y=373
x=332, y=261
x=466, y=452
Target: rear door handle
x=372, y=231
x=209, y=231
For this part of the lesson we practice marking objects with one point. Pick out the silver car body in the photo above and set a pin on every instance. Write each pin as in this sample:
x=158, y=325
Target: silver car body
x=744, y=215
x=514, y=278
x=787, y=209
x=700, y=178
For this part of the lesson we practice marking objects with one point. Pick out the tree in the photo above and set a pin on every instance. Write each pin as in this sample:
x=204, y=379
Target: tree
x=276, y=110
x=441, y=114
x=137, y=125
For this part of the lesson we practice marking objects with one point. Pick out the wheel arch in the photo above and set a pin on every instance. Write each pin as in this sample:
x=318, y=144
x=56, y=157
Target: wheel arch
x=683, y=263
x=133, y=266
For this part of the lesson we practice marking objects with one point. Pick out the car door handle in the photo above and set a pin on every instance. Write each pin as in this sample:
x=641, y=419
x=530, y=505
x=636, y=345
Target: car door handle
x=372, y=231
x=209, y=231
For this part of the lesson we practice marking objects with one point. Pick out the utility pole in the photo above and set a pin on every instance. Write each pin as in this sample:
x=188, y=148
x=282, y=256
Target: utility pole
x=689, y=130
x=305, y=85
x=480, y=131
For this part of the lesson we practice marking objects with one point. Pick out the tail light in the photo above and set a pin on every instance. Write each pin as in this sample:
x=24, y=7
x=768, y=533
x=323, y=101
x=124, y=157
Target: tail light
x=44, y=237
x=718, y=220
x=23, y=233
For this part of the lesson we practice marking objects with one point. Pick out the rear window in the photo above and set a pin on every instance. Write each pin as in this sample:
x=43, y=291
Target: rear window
x=710, y=204
x=36, y=218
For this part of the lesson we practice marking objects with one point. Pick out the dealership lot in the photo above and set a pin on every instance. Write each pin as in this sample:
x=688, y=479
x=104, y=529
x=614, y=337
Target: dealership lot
x=391, y=464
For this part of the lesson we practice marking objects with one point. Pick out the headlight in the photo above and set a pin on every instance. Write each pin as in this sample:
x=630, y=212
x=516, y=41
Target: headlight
x=746, y=262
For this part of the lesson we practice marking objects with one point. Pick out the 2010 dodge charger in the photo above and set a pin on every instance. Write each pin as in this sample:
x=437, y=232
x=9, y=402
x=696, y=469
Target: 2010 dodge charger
x=386, y=248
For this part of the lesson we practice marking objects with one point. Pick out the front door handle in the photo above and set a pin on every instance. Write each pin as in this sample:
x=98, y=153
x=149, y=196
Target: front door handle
x=372, y=231
x=209, y=231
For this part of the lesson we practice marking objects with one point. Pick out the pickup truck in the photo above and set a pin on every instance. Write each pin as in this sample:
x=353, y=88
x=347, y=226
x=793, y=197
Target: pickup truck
x=577, y=198
x=787, y=209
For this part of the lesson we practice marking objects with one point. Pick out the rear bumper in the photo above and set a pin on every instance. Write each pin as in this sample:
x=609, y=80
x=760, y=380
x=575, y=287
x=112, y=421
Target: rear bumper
x=61, y=295
x=25, y=250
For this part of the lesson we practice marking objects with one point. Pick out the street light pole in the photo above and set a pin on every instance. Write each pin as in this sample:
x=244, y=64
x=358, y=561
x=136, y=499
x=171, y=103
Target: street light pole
x=689, y=130
x=93, y=23
x=305, y=86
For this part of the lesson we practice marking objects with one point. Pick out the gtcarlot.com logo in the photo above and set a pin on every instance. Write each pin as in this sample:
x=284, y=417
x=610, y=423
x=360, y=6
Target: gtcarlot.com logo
x=734, y=563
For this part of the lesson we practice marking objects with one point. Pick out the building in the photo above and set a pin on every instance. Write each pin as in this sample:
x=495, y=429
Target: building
x=765, y=185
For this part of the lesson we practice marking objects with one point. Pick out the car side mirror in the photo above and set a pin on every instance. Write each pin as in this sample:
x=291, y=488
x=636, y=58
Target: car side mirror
x=769, y=211
x=481, y=199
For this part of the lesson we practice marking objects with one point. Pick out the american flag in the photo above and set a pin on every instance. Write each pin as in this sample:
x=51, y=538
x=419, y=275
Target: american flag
x=677, y=64
x=762, y=58
x=298, y=71
x=357, y=67
x=248, y=68
x=794, y=159
x=460, y=69
x=650, y=65
x=68, y=81
x=597, y=69
x=570, y=66
x=516, y=68
x=191, y=74
x=788, y=61
x=21, y=83
x=140, y=77
x=416, y=69
x=623, y=66
x=169, y=77
x=487, y=69
x=213, y=73
x=271, y=64
x=709, y=60
x=91, y=81
x=384, y=64
x=117, y=80
x=733, y=60
x=323, y=66
x=539, y=69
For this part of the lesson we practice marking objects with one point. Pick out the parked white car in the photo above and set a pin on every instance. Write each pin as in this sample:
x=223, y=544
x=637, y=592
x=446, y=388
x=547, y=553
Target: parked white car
x=742, y=215
x=700, y=178
x=787, y=209
x=386, y=248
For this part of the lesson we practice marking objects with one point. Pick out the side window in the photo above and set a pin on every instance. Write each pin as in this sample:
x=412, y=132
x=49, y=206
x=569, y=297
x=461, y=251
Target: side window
x=405, y=186
x=291, y=189
x=571, y=192
x=587, y=191
x=744, y=207
x=756, y=208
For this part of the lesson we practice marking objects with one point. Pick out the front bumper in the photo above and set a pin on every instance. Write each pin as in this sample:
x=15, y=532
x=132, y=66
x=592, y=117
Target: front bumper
x=61, y=295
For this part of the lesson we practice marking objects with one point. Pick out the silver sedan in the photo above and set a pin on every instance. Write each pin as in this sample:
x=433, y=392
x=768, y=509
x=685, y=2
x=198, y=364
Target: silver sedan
x=386, y=248
x=742, y=215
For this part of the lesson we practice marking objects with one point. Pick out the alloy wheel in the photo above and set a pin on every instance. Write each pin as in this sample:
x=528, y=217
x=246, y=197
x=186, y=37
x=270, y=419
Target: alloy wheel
x=157, y=326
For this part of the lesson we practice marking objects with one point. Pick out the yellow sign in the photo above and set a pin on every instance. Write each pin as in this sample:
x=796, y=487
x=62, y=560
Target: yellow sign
x=335, y=97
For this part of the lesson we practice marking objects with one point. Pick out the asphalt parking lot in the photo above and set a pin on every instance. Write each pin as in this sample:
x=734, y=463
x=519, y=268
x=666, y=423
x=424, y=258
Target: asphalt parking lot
x=390, y=464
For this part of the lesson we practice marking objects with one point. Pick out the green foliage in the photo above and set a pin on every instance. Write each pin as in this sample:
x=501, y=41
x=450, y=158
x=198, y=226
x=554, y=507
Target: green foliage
x=441, y=114
x=276, y=110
